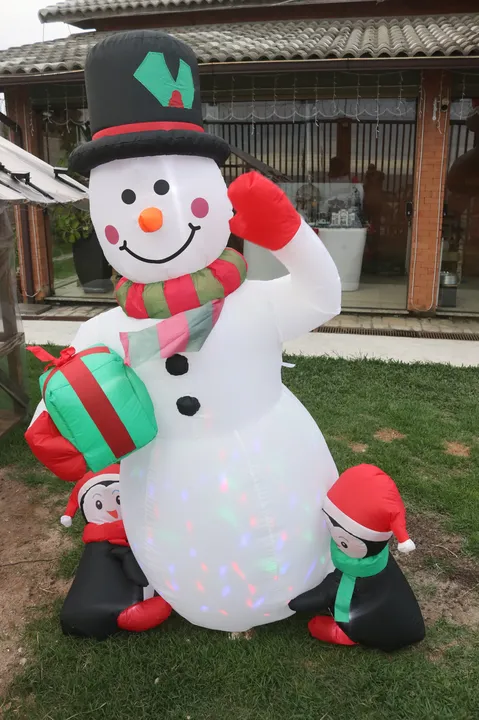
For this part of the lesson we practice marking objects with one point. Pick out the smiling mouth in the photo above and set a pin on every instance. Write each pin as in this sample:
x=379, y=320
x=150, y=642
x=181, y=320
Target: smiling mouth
x=193, y=230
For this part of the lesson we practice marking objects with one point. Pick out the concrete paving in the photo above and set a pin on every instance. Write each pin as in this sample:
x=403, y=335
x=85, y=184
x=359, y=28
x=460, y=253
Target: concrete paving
x=461, y=353
x=440, y=325
x=406, y=350
x=55, y=332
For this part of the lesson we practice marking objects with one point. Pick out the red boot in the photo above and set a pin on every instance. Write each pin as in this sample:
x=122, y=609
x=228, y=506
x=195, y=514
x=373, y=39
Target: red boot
x=325, y=628
x=144, y=615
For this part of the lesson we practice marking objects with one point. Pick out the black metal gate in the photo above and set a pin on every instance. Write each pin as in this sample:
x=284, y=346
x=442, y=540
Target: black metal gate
x=302, y=152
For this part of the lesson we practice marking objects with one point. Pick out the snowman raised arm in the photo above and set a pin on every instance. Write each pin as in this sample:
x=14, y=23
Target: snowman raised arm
x=218, y=508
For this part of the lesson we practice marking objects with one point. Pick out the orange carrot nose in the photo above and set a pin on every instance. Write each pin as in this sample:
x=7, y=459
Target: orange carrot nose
x=113, y=513
x=150, y=219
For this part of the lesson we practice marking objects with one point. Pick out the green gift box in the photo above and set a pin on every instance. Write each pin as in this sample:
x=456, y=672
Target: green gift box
x=97, y=403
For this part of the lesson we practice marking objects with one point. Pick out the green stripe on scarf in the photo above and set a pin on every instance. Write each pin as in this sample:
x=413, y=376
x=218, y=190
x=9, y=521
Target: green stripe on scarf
x=200, y=324
x=207, y=287
x=351, y=569
x=155, y=301
x=122, y=293
x=236, y=259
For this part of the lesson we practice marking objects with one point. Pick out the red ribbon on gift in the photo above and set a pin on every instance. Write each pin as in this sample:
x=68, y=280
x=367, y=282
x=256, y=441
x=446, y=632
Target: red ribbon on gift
x=90, y=394
x=65, y=356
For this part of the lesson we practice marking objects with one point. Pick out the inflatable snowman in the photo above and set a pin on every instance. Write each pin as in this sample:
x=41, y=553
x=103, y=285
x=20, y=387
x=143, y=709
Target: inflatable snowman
x=221, y=508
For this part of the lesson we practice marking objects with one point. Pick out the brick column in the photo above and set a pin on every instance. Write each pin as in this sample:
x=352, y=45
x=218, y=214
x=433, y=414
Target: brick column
x=20, y=110
x=431, y=157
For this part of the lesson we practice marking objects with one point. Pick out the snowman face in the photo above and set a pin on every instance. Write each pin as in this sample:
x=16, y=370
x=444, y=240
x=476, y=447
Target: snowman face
x=101, y=503
x=350, y=545
x=160, y=217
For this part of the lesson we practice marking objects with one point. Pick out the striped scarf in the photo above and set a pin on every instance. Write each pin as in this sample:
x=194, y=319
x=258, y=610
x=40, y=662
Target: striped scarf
x=167, y=298
x=188, y=307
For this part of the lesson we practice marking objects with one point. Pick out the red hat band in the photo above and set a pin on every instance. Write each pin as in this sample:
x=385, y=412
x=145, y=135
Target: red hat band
x=146, y=127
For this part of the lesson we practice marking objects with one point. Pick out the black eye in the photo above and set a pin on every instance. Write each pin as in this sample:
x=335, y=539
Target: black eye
x=345, y=545
x=161, y=187
x=128, y=197
x=117, y=499
x=99, y=504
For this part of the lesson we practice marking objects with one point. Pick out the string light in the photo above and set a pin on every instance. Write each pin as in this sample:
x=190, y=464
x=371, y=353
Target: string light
x=463, y=97
x=294, y=99
x=275, y=84
x=306, y=110
x=253, y=106
x=378, y=91
x=358, y=101
x=400, y=97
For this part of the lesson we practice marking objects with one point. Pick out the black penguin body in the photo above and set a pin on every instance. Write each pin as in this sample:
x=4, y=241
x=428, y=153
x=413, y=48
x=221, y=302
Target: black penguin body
x=108, y=580
x=384, y=612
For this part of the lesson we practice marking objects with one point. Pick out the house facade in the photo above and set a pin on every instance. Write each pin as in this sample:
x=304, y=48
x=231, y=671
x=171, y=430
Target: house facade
x=360, y=118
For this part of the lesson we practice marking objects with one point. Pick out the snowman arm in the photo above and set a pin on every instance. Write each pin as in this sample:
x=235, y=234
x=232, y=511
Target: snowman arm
x=311, y=294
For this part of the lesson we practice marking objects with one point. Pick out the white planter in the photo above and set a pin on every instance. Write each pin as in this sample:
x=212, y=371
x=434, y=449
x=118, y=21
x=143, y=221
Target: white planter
x=346, y=247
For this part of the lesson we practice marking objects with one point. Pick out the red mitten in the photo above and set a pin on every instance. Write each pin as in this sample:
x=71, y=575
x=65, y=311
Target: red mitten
x=144, y=615
x=264, y=214
x=53, y=450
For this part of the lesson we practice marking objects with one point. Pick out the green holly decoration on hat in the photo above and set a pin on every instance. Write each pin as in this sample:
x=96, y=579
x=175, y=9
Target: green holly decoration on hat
x=155, y=76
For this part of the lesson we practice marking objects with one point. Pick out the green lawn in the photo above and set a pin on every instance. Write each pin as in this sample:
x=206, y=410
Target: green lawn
x=181, y=671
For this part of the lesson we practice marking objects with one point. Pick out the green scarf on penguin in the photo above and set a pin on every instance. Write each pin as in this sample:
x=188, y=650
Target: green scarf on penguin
x=351, y=569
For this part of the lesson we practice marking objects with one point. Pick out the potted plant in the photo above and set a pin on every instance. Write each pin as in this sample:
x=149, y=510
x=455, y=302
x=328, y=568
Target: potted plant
x=72, y=225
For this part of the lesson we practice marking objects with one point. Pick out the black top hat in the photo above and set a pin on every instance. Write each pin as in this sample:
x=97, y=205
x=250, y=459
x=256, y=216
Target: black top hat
x=144, y=99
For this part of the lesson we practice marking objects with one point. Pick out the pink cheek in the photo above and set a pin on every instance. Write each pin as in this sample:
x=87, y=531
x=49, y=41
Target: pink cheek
x=112, y=234
x=200, y=208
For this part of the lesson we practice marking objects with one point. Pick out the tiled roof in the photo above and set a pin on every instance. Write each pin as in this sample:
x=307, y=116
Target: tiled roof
x=295, y=40
x=80, y=10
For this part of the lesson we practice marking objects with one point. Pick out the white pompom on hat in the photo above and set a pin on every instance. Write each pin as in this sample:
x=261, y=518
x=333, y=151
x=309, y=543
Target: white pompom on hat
x=366, y=503
x=81, y=488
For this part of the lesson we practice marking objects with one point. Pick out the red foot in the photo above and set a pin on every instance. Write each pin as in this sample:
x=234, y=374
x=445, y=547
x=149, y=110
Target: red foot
x=264, y=214
x=326, y=629
x=144, y=615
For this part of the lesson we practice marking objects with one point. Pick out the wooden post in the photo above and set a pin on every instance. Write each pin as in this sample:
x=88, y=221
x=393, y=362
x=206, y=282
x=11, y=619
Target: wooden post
x=11, y=339
x=20, y=110
x=432, y=146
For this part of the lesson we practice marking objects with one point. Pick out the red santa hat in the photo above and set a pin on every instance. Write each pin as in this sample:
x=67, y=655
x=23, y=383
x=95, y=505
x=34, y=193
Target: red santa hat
x=366, y=503
x=81, y=488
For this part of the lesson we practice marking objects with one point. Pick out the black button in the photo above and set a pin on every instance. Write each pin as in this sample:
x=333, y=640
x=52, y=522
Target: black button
x=177, y=365
x=188, y=405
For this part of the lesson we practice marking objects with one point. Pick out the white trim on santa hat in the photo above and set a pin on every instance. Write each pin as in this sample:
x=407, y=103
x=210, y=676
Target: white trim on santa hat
x=352, y=526
x=407, y=546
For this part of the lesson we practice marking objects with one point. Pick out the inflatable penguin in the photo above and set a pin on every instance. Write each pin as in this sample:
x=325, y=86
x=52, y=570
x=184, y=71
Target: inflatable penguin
x=110, y=591
x=367, y=599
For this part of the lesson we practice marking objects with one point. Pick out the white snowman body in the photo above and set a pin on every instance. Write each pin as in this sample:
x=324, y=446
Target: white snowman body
x=222, y=509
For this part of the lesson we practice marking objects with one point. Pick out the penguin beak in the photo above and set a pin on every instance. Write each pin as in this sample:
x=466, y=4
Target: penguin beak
x=113, y=513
